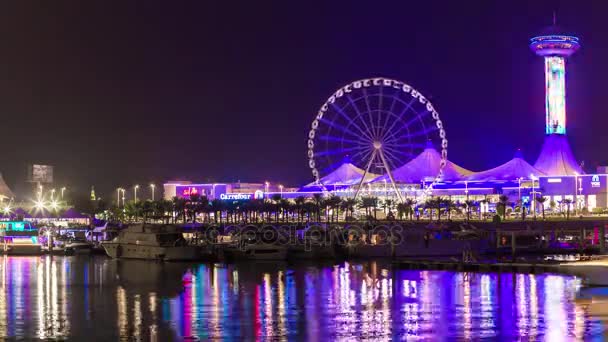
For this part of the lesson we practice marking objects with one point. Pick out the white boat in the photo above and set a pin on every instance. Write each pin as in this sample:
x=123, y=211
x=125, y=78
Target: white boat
x=77, y=246
x=152, y=242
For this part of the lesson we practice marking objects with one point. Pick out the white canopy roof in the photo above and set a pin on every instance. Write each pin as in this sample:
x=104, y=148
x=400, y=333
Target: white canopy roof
x=556, y=157
x=425, y=167
x=345, y=174
x=511, y=170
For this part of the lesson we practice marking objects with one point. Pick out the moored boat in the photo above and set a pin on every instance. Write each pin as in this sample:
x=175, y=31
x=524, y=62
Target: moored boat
x=19, y=238
x=151, y=241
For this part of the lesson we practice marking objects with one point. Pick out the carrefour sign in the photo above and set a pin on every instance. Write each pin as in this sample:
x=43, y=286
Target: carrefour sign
x=235, y=197
x=242, y=197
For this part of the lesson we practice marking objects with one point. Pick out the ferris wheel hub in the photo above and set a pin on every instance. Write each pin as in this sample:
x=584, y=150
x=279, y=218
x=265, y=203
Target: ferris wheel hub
x=377, y=145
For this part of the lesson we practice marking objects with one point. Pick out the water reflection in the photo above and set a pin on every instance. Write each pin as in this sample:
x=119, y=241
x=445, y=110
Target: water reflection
x=62, y=297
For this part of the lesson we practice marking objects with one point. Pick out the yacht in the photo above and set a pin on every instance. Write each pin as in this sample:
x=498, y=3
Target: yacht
x=19, y=238
x=78, y=246
x=151, y=241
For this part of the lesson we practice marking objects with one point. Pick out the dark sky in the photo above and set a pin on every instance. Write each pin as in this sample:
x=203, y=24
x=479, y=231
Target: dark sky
x=125, y=92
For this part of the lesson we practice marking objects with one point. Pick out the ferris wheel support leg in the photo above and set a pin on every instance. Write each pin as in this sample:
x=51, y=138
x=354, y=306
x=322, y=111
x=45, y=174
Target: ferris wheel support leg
x=369, y=164
x=390, y=175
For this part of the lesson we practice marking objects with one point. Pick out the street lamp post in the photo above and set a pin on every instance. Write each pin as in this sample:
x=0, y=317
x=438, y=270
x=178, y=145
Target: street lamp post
x=135, y=193
x=519, y=190
x=52, y=194
x=152, y=186
x=62, y=191
x=266, y=185
x=118, y=196
x=533, y=195
x=580, y=193
x=281, y=190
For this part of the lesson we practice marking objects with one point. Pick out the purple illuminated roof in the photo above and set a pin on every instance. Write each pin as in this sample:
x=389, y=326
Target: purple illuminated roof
x=556, y=157
x=345, y=174
x=425, y=167
x=511, y=170
x=73, y=214
x=21, y=212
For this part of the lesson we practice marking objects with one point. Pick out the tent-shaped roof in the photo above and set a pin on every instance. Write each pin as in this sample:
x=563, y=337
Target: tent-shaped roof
x=425, y=167
x=21, y=212
x=345, y=174
x=509, y=171
x=5, y=191
x=556, y=157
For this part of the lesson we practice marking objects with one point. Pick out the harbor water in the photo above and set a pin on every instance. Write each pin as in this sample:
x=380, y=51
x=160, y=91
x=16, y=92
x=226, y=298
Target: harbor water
x=97, y=298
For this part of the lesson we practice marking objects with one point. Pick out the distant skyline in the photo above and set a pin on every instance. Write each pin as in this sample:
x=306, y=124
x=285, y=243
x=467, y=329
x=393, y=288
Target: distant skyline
x=118, y=93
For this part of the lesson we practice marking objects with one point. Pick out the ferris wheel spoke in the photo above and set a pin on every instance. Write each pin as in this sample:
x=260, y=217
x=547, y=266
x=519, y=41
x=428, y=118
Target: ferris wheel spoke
x=350, y=120
x=426, y=131
x=360, y=116
x=406, y=134
x=389, y=114
x=369, y=113
x=337, y=151
x=391, y=160
x=418, y=117
x=397, y=150
x=380, y=111
x=340, y=139
x=396, y=134
x=340, y=127
x=363, y=155
x=399, y=157
x=398, y=119
x=412, y=145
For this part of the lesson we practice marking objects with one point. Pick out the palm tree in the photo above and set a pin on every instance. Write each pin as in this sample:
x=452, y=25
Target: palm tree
x=567, y=202
x=179, y=207
x=449, y=206
x=435, y=203
x=299, y=205
x=374, y=202
x=369, y=203
x=409, y=205
x=147, y=209
x=388, y=204
x=310, y=209
x=541, y=200
x=403, y=209
x=348, y=206
x=430, y=205
x=335, y=203
x=317, y=200
x=468, y=205
x=503, y=201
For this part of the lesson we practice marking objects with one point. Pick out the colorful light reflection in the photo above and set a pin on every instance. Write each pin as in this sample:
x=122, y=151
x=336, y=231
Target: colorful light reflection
x=555, y=77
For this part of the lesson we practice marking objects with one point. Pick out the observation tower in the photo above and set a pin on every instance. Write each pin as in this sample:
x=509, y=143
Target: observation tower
x=556, y=157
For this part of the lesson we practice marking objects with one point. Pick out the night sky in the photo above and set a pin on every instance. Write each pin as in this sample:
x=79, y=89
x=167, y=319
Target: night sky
x=125, y=92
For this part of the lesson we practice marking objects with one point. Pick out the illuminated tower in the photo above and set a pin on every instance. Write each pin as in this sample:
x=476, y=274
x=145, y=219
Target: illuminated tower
x=556, y=157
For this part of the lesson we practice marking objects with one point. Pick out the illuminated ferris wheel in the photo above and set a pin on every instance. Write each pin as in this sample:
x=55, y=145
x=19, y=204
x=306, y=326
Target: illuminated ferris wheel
x=377, y=124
